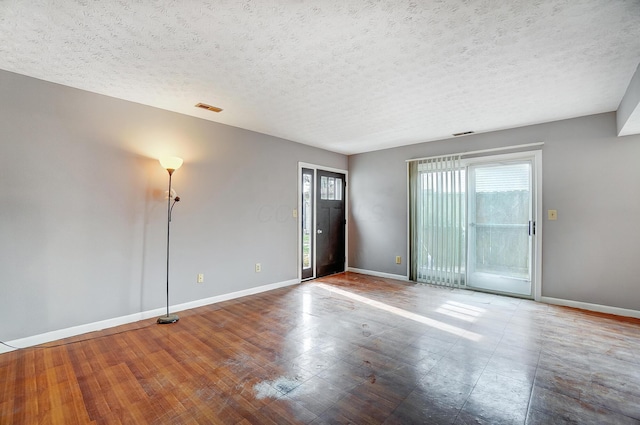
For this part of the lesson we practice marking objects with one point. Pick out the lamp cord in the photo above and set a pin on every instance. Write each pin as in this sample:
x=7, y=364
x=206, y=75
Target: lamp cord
x=45, y=345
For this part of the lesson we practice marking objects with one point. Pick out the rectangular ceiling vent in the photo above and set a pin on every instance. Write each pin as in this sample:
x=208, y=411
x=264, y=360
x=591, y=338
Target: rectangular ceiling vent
x=208, y=107
x=464, y=133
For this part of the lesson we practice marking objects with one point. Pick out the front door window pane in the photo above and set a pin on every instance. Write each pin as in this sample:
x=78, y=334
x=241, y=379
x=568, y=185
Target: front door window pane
x=324, y=190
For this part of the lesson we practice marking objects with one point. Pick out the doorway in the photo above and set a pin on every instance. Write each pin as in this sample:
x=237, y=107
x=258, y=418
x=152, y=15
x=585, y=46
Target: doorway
x=472, y=222
x=322, y=221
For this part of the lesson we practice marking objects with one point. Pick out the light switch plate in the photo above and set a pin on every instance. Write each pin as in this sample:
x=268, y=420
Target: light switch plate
x=552, y=214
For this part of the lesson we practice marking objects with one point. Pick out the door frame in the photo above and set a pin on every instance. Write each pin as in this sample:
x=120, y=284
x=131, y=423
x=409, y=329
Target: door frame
x=315, y=169
x=487, y=156
x=536, y=197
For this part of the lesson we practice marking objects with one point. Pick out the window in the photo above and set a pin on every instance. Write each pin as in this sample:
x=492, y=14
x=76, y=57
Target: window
x=330, y=189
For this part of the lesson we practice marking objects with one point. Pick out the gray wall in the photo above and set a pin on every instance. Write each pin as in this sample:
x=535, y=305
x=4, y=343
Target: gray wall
x=83, y=214
x=590, y=254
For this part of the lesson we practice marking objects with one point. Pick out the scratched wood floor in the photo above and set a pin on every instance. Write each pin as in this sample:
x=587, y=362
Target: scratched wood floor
x=343, y=349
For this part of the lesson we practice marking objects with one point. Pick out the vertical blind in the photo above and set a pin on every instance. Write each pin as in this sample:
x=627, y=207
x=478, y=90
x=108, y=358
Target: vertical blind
x=437, y=221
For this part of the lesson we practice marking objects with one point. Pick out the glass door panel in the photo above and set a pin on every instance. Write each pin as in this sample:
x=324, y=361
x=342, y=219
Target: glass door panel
x=500, y=210
x=307, y=224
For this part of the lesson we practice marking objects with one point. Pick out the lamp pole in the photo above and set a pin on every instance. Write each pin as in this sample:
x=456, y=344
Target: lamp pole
x=171, y=165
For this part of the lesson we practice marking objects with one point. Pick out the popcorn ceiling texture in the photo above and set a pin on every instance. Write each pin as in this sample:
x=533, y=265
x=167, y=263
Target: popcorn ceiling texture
x=346, y=75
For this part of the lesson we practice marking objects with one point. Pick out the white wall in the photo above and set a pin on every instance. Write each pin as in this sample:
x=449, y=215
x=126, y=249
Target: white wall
x=83, y=214
x=590, y=254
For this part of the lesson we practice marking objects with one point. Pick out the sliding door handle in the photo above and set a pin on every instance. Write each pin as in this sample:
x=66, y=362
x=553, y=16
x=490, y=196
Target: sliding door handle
x=532, y=227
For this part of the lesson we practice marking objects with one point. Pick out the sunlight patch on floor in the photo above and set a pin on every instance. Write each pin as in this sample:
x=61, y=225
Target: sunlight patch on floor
x=460, y=311
x=404, y=313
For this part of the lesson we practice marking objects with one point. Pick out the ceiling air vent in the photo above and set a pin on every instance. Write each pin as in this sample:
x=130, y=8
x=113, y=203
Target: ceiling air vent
x=464, y=133
x=208, y=107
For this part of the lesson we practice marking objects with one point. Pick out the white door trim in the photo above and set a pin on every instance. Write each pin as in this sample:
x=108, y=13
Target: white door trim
x=315, y=168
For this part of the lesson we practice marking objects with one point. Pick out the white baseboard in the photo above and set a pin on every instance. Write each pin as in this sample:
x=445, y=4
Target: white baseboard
x=229, y=296
x=117, y=321
x=379, y=274
x=592, y=307
x=30, y=341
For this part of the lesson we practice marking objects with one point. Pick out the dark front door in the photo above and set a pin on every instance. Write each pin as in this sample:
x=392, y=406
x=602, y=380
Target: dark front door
x=331, y=223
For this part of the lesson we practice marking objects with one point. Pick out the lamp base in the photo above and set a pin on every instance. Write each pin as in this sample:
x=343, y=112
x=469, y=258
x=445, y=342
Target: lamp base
x=170, y=318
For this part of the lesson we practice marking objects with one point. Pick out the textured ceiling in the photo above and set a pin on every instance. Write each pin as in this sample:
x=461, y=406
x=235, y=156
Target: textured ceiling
x=346, y=75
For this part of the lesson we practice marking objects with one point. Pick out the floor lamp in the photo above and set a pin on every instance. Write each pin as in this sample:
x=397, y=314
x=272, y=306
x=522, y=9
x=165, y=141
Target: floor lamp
x=170, y=164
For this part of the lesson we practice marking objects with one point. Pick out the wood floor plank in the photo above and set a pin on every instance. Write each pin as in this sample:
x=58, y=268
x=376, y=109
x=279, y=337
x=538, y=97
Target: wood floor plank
x=347, y=348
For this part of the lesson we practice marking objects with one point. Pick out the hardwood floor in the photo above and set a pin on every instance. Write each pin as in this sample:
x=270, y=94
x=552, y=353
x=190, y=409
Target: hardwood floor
x=344, y=349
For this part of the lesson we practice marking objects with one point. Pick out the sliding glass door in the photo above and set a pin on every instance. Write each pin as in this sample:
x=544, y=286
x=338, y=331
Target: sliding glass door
x=501, y=226
x=472, y=222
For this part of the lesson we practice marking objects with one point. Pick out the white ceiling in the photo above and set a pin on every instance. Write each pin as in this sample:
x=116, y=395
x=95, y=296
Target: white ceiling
x=345, y=75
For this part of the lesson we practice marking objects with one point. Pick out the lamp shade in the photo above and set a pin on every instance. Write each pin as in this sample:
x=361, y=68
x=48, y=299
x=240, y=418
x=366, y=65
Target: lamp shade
x=171, y=162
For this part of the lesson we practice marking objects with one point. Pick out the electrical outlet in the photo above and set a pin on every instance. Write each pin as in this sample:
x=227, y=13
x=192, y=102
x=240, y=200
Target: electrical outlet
x=258, y=268
x=398, y=260
x=295, y=213
x=200, y=278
